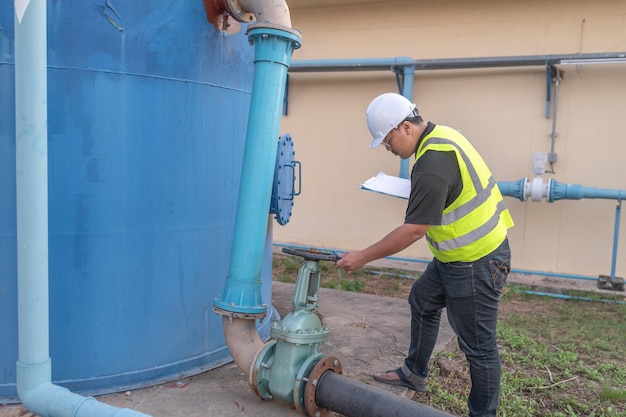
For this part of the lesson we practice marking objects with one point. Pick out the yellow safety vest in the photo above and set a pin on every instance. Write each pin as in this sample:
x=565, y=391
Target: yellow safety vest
x=476, y=223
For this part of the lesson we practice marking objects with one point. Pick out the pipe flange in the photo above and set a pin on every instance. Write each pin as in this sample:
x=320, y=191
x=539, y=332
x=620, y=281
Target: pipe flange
x=296, y=34
x=329, y=363
x=238, y=12
x=260, y=371
x=301, y=381
x=237, y=315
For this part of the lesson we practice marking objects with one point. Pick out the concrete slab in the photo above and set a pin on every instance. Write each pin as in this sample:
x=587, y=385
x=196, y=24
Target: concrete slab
x=368, y=333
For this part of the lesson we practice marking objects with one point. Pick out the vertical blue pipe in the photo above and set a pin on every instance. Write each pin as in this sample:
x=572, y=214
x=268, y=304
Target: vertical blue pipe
x=618, y=210
x=273, y=50
x=31, y=148
x=34, y=367
x=407, y=91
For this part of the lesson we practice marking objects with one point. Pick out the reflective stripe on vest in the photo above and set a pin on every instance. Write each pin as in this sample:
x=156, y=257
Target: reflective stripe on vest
x=485, y=220
x=474, y=235
x=482, y=194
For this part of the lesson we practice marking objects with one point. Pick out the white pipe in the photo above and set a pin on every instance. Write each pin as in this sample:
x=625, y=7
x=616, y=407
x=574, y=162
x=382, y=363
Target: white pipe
x=243, y=341
x=34, y=367
x=269, y=11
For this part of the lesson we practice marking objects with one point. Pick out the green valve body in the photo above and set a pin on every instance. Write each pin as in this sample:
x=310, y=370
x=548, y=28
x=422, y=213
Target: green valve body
x=282, y=367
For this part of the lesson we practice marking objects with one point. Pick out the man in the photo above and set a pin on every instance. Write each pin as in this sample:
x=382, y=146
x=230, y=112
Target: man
x=456, y=205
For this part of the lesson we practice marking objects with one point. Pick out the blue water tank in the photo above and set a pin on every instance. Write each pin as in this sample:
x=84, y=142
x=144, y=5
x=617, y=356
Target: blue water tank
x=147, y=111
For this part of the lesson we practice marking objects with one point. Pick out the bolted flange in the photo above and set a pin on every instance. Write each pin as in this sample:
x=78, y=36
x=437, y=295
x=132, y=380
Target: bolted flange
x=329, y=363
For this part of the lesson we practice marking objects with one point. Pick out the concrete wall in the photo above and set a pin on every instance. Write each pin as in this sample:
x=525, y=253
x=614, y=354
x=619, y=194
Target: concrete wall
x=502, y=111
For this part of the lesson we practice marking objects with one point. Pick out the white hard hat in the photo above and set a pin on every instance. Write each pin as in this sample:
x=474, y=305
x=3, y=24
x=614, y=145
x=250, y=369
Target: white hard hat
x=385, y=113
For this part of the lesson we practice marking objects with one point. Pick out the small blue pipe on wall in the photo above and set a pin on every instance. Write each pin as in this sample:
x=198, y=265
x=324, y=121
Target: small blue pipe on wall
x=408, y=75
x=553, y=190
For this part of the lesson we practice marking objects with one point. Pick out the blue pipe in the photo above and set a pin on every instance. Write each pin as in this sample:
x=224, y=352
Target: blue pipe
x=513, y=188
x=559, y=191
x=34, y=366
x=618, y=210
x=273, y=50
x=426, y=261
x=407, y=91
x=569, y=297
x=575, y=192
x=555, y=190
x=384, y=64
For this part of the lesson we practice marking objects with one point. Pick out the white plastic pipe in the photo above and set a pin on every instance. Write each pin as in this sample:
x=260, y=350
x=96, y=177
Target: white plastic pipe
x=269, y=11
x=34, y=376
x=243, y=341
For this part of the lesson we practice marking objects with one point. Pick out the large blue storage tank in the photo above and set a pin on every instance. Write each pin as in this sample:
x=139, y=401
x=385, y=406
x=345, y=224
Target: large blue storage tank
x=147, y=111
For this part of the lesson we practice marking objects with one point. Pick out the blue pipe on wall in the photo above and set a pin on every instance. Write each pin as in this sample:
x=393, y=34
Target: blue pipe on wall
x=34, y=366
x=408, y=76
x=553, y=190
x=560, y=191
x=384, y=64
x=426, y=261
x=408, y=66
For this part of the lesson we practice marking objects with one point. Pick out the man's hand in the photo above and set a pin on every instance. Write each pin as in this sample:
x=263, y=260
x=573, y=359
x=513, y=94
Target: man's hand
x=351, y=261
x=398, y=239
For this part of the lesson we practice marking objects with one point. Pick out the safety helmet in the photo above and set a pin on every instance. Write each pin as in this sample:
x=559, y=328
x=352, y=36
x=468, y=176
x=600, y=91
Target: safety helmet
x=385, y=113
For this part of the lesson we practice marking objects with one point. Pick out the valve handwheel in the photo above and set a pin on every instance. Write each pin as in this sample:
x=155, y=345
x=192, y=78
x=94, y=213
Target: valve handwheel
x=313, y=254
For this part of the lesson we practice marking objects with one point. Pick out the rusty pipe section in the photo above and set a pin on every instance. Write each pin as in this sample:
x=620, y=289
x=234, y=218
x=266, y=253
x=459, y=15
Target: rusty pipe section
x=265, y=12
x=353, y=399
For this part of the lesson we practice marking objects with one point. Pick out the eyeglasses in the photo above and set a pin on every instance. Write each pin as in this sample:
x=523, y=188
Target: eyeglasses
x=387, y=139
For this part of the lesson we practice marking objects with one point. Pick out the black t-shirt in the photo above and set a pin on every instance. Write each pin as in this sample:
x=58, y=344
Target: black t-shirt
x=435, y=184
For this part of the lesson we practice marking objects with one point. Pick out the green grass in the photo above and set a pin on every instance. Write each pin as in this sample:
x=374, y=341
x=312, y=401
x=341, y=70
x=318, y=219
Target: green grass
x=560, y=357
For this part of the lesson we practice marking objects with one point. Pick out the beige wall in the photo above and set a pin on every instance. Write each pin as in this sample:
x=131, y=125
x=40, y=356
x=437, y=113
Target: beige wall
x=502, y=111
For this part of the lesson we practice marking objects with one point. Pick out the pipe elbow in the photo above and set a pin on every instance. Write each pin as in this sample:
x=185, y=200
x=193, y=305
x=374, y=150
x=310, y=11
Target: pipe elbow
x=243, y=341
x=49, y=400
x=274, y=12
x=43, y=398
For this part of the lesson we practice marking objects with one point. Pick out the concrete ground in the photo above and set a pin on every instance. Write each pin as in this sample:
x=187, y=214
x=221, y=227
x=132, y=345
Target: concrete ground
x=368, y=334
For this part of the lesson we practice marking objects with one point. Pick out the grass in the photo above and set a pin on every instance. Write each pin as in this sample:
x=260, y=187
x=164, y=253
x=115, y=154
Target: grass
x=560, y=357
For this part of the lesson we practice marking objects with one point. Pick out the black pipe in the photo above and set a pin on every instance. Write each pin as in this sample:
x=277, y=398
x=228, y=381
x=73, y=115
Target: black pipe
x=353, y=399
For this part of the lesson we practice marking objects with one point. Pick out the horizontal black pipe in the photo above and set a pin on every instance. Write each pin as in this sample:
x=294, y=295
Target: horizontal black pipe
x=354, y=399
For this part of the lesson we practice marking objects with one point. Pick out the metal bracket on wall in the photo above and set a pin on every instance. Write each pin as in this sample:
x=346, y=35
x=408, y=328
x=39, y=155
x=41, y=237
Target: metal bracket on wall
x=553, y=75
x=399, y=71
